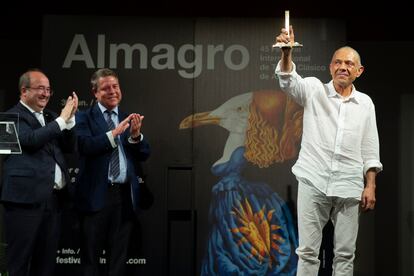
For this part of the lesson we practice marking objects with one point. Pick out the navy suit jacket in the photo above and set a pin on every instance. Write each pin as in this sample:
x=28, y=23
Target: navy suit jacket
x=95, y=152
x=29, y=177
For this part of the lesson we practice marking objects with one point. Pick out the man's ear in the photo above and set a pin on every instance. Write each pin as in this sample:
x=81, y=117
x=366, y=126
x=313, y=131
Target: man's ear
x=23, y=90
x=360, y=71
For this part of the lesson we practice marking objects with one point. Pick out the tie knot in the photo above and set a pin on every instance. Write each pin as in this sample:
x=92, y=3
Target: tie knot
x=109, y=113
x=109, y=120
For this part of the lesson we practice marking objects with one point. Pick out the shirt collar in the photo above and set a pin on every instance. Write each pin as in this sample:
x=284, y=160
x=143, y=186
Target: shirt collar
x=30, y=109
x=103, y=108
x=332, y=93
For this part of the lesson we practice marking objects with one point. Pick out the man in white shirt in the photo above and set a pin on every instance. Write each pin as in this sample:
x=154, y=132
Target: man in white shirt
x=34, y=182
x=339, y=148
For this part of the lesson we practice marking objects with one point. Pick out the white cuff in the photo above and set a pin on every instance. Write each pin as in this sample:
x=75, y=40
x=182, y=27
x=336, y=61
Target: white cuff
x=70, y=123
x=111, y=139
x=372, y=164
x=66, y=125
x=280, y=73
x=61, y=122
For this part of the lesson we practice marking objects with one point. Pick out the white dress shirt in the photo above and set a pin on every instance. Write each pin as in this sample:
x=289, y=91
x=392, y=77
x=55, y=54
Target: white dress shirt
x=340, y=137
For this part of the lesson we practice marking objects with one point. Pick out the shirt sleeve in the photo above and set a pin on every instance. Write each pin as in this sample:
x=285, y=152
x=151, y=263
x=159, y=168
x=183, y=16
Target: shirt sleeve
x=293, y=84
x=370, y=144
x=71, y=123
x=65, y=125
x=111, y=139
x=61, y=123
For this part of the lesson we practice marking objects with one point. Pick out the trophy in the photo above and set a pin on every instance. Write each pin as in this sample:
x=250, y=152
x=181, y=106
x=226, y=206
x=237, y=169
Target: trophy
x=9, y=140
x=289, y=45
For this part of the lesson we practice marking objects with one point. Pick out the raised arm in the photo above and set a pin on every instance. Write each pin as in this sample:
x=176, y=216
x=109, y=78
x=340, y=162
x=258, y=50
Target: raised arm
x=286, y=59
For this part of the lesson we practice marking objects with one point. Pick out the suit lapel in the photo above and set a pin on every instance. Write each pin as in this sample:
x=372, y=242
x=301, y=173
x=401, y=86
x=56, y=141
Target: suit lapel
x=31, y=118
x=99, y=119
x=48, y=116
x=121, y=117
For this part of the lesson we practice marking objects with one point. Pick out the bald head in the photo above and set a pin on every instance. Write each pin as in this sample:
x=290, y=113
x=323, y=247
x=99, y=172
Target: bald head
x=357, y=57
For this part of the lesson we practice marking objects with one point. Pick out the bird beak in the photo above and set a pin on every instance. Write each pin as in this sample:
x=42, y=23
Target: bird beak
x=199, y=119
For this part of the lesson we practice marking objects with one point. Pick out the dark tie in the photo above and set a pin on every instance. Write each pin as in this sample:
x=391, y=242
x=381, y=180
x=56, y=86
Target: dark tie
x=114, y=163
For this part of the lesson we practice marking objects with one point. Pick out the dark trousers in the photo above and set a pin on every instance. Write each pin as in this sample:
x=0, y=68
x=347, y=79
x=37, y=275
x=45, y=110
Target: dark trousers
x=32, y=235
x=106, y=234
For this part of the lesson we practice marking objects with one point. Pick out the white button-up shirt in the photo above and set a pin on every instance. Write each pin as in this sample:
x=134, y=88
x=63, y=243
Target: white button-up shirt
x=340, y=137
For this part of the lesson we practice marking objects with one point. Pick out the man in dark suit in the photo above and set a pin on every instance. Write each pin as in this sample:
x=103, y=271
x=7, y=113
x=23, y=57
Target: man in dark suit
x=110, y=144
x=34, y=182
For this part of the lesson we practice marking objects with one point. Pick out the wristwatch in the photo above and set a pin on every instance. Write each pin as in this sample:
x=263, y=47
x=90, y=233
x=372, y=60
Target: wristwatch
x=138, y=138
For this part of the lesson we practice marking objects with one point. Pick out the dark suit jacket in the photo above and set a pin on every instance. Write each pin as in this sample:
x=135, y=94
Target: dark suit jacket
x=29, y=177
x=95, y=152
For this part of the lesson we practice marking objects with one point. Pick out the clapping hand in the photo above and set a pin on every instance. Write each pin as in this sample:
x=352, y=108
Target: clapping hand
x=134, y=121
x=70, y=108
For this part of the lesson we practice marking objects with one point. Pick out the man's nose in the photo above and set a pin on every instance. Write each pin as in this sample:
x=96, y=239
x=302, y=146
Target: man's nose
x=342, y=66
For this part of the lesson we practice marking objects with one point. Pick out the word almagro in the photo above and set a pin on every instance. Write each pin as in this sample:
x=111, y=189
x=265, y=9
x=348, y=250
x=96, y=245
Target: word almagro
x=188, y=58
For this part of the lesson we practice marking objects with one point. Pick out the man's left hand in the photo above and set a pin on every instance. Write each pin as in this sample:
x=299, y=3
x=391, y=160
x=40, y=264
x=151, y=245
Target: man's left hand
x=136, y=123
x=368, y=198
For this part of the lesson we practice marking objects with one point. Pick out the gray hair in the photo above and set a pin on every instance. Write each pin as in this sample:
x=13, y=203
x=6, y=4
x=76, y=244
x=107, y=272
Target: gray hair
x=101, y=73
x=24, y=80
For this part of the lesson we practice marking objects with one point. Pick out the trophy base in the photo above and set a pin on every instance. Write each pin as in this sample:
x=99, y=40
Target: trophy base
x=287, y=45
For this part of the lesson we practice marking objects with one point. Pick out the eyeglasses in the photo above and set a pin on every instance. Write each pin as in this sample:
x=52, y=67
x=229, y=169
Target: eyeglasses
x=47, y=90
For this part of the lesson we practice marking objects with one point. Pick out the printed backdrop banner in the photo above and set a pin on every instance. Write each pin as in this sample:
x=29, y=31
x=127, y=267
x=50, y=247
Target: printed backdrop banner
x=223, y=136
